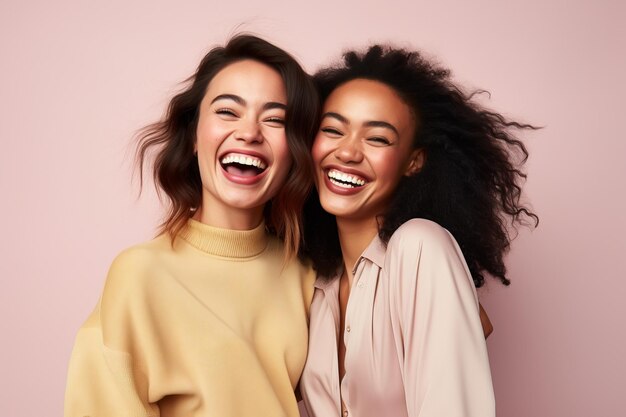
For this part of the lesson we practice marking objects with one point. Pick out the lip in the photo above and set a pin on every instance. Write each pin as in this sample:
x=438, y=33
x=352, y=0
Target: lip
x=341, y=190
x=238, y=179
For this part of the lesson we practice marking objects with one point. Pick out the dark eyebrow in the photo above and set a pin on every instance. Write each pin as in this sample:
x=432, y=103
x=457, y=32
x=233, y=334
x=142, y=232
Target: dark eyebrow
x=336, y=116
x=232, y=97
x=371, y=123
x=274, y=105
x=239, y=100
x=379, y=123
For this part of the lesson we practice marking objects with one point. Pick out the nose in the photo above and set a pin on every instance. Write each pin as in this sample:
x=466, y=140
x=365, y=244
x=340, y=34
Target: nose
x=249, y=131
x=349, y=151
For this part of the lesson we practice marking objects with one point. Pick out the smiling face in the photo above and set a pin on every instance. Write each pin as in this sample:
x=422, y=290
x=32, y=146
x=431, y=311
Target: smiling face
x=363, y=148
x=241, y=142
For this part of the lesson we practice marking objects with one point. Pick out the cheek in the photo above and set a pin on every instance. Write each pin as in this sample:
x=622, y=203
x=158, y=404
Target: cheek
x=389, y=166
x=205, y=132
x=280, y=149
x=319, y=150
x=209, y=137
x=211, y=130
x=281, y=145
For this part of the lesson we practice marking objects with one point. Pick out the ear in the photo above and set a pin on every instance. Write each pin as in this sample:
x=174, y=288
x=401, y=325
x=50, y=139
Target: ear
x=416, y=162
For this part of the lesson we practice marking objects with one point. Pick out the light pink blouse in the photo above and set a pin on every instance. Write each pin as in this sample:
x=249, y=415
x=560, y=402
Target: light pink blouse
x=414, y=341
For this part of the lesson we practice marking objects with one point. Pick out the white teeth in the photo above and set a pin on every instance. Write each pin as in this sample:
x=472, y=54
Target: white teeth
x=341, y=184
x=336, y=176
x=243, y=160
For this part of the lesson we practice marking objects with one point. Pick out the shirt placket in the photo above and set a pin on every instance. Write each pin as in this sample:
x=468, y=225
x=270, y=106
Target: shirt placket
x=331, y=297
x=353, y=302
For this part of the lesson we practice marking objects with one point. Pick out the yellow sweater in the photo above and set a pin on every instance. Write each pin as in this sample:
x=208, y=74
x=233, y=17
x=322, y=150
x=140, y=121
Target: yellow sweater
x=215, y=326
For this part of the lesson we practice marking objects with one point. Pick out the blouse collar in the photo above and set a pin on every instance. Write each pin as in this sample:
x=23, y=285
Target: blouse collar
x=375, y=253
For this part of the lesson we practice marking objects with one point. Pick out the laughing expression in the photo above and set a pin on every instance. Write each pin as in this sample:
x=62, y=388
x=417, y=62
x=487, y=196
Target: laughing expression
x=241, y=142
x=363, y=148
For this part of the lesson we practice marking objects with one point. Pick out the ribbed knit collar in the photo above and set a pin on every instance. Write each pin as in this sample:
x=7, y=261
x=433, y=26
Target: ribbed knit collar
x=225, y=242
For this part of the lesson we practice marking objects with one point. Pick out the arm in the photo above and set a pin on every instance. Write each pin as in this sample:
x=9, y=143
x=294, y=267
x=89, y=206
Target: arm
x=439, y=336
x=104, y=378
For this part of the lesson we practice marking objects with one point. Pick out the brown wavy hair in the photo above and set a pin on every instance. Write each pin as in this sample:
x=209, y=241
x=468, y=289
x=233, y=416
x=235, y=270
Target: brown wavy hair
x=171, y=141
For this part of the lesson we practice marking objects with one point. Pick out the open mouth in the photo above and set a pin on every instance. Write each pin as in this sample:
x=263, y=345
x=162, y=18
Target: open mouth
x=242, y=165
x=341, y=179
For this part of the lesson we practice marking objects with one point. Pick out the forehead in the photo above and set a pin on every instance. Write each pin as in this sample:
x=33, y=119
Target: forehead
x=364, y=100
x=252, y=80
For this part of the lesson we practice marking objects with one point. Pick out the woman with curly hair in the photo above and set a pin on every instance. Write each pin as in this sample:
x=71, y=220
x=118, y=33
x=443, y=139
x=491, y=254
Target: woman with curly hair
x=210, y=317
x=419, y=185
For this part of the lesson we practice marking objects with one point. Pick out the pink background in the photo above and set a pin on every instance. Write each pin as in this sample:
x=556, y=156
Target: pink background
x=79, y=77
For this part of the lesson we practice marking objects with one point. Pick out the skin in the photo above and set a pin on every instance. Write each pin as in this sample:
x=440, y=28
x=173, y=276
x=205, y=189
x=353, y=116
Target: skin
x=241, y=115
x=367, y=134
x=366, y=131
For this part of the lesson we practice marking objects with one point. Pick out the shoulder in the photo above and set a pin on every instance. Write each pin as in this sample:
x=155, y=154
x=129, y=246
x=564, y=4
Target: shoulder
x=275, y=246
x=132, y=265
x=420, y=234
x=295, y=266
x=305, y=276
x=296, y=273
x=138, y=258
x=421, y=248
x=129, y=286
x=423, y=254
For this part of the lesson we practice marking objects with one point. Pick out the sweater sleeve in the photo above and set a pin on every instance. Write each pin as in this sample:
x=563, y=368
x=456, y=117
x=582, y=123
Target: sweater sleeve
x=105, y=376
x=436, y=323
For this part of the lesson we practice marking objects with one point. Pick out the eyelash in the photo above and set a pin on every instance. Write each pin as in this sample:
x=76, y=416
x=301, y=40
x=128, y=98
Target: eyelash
x=380, y=139
x=275, y=120
x=376, y=139
x=227, y=112
x=331, y=130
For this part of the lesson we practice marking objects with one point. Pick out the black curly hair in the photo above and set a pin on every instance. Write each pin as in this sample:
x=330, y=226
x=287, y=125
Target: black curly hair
x=471, y=179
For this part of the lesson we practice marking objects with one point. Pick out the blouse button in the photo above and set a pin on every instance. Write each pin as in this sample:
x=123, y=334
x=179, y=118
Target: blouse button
x=345, y=413
x=348, y=330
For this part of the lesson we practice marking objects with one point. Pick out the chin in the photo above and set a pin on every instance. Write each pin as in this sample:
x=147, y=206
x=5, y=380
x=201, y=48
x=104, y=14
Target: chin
x=245, y=205
x=339, y=210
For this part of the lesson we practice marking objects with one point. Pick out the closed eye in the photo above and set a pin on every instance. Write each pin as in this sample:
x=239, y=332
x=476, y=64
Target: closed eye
x=379, y=141
x=331, y=131
x=275, y=121
x=226, y=112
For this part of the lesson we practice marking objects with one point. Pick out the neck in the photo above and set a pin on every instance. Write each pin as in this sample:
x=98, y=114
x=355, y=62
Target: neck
x=354, y=237
x=229, y=217
x=225, y=242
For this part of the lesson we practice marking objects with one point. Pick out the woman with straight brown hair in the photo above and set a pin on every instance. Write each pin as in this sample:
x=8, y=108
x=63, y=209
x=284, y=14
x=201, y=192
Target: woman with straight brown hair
x=210, y=317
